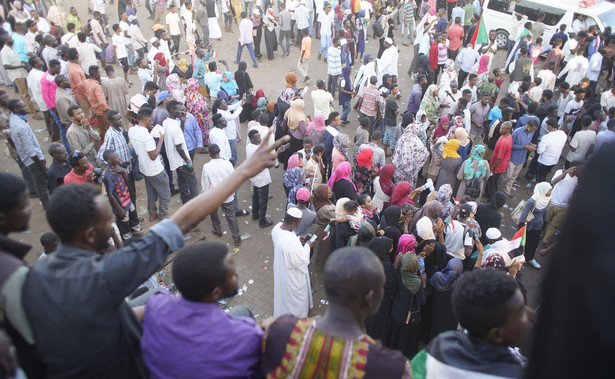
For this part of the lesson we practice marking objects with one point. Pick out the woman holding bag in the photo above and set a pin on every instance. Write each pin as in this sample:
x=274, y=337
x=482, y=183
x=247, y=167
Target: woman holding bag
x=537, y=205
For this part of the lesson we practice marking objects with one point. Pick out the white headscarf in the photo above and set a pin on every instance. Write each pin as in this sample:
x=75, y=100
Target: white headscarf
x=540, y=192
x=424, y=228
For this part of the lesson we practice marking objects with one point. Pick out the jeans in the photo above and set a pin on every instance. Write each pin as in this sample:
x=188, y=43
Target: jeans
x=462, y=77
x=542, y=172
x=332, y=84
x=310, y=23
x=175, y=47
x=126, y=227
x=231, y=218
x=389, y=139
x=52, y=126
x=26, y=176
x=234, y=157
x=492, y=185
x=345, y=110
x=157, y=188
x=131, y=55
x=250, y=49
x=325, y=42
x=285, y=35
x=260, y=197
x=39, y=178
x=186, y=181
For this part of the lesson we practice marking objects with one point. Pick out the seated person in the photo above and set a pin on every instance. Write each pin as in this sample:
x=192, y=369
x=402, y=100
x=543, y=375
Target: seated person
x=190, y=335
x=491, y=309
x=354, y=282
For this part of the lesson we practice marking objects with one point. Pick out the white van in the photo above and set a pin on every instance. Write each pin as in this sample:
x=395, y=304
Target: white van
x=497, y=15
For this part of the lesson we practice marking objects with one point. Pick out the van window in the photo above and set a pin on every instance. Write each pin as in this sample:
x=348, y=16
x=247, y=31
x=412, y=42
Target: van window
x=607, y=18
x=499, y=5
x=552, y=15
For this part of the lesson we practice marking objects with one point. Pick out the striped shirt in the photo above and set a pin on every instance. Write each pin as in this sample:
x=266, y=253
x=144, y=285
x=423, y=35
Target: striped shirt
x=334, y=61
x=370, y=97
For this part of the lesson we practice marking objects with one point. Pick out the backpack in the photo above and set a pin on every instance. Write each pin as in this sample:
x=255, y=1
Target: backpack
x=473, y=188
x=377, y=28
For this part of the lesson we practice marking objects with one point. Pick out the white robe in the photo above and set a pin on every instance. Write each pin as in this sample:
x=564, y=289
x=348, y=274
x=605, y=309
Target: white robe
x=387, y=64
x=292, y=292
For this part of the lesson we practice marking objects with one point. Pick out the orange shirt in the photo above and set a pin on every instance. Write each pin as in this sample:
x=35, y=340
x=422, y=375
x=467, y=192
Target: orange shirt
x=306, y=44
x=95, y=96
x=455, y=34
x=76, y=77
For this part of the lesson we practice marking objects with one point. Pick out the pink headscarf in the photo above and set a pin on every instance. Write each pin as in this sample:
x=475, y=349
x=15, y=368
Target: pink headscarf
x=483, y=64
x=318, y=124
x=342, y=171
x=293, y=161
x=406, y=243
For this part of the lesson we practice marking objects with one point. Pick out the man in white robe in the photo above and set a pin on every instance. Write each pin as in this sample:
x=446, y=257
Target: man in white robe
x=387, y=64
x=292, y=292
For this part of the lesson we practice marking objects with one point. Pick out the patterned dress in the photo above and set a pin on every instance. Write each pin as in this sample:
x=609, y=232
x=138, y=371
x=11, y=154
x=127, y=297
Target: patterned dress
x=410, y=156
x=196, y=105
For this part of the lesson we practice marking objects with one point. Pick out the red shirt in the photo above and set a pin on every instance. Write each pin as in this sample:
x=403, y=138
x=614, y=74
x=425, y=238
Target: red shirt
x=455, y=34
x=502, y=150
x=72, y=177
x=433, y=56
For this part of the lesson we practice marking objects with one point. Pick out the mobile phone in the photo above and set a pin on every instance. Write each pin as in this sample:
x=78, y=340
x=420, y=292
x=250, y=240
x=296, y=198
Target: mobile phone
x=313, y=239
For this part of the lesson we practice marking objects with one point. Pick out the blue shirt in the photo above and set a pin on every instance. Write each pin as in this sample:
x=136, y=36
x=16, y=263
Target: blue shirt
x=200, y=69
x=523, y=120
x=192, y=133
x=520, y=138
x=415, y=98
x=494, y=114
x=19, y=44
x=467, y=58
x=559, y=35
x=442, y=25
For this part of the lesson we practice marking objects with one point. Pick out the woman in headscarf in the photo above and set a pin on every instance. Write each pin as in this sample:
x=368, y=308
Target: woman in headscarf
x=345, y=93
x=229, y=86
x=261, y=101
x=383, y=187
x=488, y=215
x=405, y=244
x=19, y=13
x=271, y=110
x=473, y=175
x=443, y=196
x=435, y=163
x=338, y=18
x=316, y=129
x=425, y=132
x=324, y=227
x=286, y=97
x=451, y=161
x=443, y=282
x=296, y=125
x=386, y=81
x=458, y=123
x=367, y=70
x=176, y=89
x=441, y=130
x=364, y=171
x=196, y=105
x=257, y=31
x=537, y=205
x=433, y=251
x=403, y=194
x=341, y=143
x=367, y=231
x=349, y=35
x=271, y=42
x=402, y=330
x=344, y=222
x=410, y=155
x=375, y=324
x=465, y=144
x=432, y=210
x=431, y=104
x=294, y=179
x=243, y=80
x=360, y=28
x=449, y=74
x=392, y=224
x=341, y=184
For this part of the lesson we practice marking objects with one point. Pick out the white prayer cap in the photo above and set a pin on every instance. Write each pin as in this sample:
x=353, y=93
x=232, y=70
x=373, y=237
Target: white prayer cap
x=131, y=18
x=295, y=212
x=153, y=40
x=388, y=40
x=493, y=233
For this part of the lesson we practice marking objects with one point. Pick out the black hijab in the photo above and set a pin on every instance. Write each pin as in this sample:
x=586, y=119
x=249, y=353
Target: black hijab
x=391, y=217
x=381, y=246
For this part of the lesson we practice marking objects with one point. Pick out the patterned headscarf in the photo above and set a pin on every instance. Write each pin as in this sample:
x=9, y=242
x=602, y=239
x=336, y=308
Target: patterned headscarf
x=197, y=106
x=444, y=197
x=293, y=179
x=341, y=142
x=495, y=261
x=475, y=167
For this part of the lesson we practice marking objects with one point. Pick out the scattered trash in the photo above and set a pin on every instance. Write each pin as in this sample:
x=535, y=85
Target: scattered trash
x=245, y=201
x=46, y=139
x=236, y=251
x=162, y=273
x=224, y=232
x=264, y=267
x=250, y=281
x=223, y=302
x=187, y=237
x=40, y=130
x=247, y=223
x=277, y=209
x=245, y=236
x=26, y=232
x=529, y=185
x=256, y=315
x=505, y=206
x=325, y=302
x=245, y=288
x=250, y=207
x=267, y=215
x=266, y=260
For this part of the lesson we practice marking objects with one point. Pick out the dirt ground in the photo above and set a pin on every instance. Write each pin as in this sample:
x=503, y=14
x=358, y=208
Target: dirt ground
x=255, y=256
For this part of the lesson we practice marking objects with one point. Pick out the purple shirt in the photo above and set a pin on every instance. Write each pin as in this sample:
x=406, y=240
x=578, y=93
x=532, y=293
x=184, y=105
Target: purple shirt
x=186, y=339
x=415, y=98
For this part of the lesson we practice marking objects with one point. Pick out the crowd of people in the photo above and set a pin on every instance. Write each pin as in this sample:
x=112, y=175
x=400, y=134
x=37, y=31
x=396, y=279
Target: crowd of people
x=400, y=211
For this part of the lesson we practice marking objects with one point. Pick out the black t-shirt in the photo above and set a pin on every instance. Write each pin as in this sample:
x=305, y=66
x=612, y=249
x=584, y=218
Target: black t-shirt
x=390, y=118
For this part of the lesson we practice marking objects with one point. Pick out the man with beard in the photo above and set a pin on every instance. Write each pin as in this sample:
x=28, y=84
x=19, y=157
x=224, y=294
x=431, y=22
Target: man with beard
x=75, y=299
x=204, y=273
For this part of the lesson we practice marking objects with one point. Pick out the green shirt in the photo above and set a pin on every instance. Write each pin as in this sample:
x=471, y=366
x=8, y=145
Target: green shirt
x=470, y=9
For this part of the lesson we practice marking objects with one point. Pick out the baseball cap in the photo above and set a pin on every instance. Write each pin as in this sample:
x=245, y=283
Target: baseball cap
x=384, y=90
x=162, y=96
x=303, y=195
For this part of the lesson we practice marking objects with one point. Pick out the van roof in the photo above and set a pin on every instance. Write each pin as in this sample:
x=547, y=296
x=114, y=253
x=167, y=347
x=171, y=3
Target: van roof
x=575, y=5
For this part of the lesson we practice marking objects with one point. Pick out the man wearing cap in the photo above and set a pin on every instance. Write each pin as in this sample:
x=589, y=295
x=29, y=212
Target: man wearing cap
x=214, y=172
x=497, y=245
x=308, y=218
x=260, y=184
x=387, y=63
x=292, y=292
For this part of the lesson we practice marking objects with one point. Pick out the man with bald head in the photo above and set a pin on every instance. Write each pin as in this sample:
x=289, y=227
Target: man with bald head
x=336, y=343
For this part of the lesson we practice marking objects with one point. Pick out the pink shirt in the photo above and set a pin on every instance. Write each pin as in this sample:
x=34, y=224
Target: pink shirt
x=336, y=159
x=245, y=32
x=455, y=34
x=48, y=87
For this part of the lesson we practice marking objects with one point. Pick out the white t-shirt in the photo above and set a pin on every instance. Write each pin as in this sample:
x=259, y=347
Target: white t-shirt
x=173, y=21
x=142, y=142
x=120, y=46
x=367, y=7
x=582, y=141
x=551, y=146
x=456, y=240
x=218, y=136
x=563, y=190
x=125, y=26
x=173, y=136
x=145, y=75
x=262, y=178
x=214, y=172
x=321, y=100
x=326, y=21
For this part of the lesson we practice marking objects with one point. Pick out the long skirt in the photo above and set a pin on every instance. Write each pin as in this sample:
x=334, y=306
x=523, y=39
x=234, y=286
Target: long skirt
x=214, y=28
x=271, y=42
x=401, y=336
x=361, y=42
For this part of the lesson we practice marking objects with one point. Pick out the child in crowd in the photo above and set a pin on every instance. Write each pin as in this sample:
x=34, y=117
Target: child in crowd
x=50, y=242
x=365, y=201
